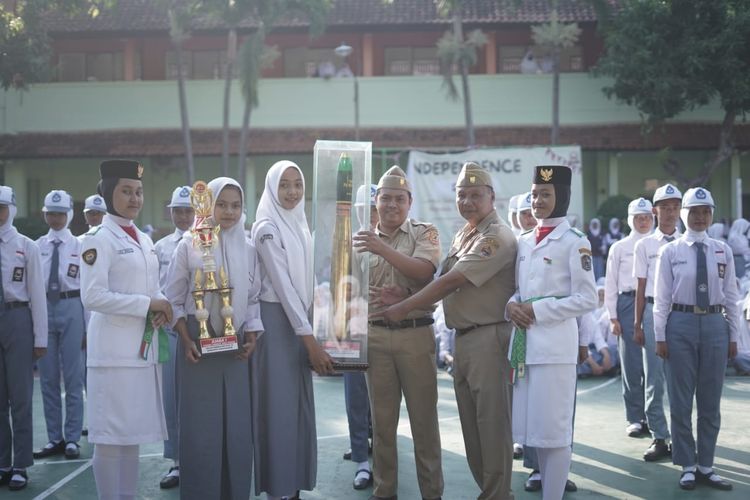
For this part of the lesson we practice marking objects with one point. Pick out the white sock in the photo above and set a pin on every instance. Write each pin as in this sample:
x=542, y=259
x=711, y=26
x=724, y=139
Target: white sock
x=115, y=471
x=363, y=465
x=688, y=468
x=535, y=476
x=554, y=464
x=705, y=470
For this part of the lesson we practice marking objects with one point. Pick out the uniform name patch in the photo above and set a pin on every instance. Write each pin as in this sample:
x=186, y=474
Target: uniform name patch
x=123, y=251
x=72, y=271
x=722, y=270
x=18, y=273
x=266, y=237
x=89, y=256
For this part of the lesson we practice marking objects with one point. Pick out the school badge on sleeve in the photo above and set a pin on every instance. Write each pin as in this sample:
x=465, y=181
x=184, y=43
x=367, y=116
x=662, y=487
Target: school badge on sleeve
x=585, y=258
x=89, y=256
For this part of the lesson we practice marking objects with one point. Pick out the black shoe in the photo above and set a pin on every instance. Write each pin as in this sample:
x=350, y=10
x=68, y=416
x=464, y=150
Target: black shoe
x=5, y=477
x=361, y=483
x=570, y=486
x=72, y=450
x=170, y=480
x=533, y=484
x=51, y=449
x=85, y=432
x=348, y=454
x=18, y=484
x=373, y=497
x=713, y=480
x=658, y=450
x=688, y=484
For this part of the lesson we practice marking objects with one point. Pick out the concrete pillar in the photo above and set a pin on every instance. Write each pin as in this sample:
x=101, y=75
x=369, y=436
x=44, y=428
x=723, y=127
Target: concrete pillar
x=490, y=53
x=613, y=172
x=735, y=185
x=367, y=55
x=15, y=177
x=128, y=60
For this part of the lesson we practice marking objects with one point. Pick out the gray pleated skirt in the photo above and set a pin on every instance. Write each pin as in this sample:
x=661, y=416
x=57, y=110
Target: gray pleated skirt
x=215, y=432
x=283, y=408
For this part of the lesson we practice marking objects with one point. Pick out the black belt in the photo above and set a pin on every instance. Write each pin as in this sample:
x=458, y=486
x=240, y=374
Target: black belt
x=70, y=294
x=631, y=293
x=650, y=300
x=16, y=304
x=697, y=310
x=463, y=331
x=407, y=323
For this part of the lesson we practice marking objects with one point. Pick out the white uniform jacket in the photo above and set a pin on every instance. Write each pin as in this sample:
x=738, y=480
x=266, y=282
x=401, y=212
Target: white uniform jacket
x=165, y=248
x=119, y=277
x=559, y=269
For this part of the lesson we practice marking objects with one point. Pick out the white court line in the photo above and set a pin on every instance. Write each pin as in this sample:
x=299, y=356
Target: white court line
x=87, y=463
x=597, y=387
x=62, y=482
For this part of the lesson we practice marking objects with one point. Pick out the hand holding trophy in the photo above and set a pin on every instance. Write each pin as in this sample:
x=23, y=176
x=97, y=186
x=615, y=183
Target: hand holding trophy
x=205, y=238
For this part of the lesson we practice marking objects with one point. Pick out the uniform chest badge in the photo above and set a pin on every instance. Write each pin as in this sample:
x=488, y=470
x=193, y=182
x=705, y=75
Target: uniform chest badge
x=72, y=271
x=722, y=270
x=89, y=256
x=586, y=262
x=547, y=260
x=18, y=273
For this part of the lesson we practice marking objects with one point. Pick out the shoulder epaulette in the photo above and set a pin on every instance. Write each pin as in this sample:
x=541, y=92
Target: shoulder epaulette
x=578, y=232
x=93, y=231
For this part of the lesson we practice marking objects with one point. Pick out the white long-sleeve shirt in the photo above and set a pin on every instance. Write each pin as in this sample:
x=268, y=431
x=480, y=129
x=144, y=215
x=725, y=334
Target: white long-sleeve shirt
x=675, y=281
x=619, y=277
x=646, y=253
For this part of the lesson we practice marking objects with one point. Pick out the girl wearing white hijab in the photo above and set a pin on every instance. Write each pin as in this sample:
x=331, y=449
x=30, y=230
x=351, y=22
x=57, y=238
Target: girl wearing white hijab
x=598, y=249
x=613, y=235
x=282, y=393
x=740, y=245
x=215, y=440
x=23, y=338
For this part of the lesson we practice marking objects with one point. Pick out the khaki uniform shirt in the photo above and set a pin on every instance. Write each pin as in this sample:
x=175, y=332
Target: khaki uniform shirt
x=486, y=256
x=412, y=238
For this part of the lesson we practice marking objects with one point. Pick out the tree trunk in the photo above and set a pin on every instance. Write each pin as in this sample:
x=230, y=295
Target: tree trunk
x=722, y=154
x=242, y=149
x=463, y=67
x=228, y=67
x=555, y=132
x=184, y=115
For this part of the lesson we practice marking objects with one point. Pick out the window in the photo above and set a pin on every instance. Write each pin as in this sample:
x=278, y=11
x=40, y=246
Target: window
x=511, y=56
x=199, y=65
x=301, y=62
x=401, y=61
x=93, y=67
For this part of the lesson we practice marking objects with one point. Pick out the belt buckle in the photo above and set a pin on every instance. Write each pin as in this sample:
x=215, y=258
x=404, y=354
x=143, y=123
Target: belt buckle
x=699, y=310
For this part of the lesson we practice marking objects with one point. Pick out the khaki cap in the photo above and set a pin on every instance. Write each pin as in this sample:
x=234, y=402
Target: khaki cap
x=394, y=178
x=473, y=175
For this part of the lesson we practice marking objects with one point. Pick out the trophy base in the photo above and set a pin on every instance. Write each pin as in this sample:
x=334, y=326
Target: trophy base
x=349, y=366
x=219, y=344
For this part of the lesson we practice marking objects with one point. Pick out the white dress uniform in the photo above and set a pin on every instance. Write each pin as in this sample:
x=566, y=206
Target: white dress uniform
x=697, y=338
x=119, y=277
x=558, y=269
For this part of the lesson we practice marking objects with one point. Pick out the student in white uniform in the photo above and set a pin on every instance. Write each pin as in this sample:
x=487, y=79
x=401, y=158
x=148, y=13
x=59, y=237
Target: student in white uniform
x=23, y=338
x=667, y=210
x=524, y=214
x=94, y=209
x=619, y=297
x=512, y=212
x=555, y=286
x=182, y=215
x=120, y=286
x=61, y=262
x=695, y=286
x=216, y=443
x=281, y=383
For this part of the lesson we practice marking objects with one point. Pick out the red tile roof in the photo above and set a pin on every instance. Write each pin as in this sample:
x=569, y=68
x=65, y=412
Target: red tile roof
x=207, y=142
x=149, y=16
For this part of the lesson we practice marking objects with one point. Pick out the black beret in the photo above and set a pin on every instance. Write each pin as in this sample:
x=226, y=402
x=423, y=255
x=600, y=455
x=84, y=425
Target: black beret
x=121, y=169
x=552, y=174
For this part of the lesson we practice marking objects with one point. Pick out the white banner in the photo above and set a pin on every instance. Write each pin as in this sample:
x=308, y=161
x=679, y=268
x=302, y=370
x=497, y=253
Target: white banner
x=433, y=180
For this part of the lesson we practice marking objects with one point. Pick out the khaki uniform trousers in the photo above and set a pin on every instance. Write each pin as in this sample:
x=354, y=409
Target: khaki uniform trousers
x=403, y=360
x=482, y=382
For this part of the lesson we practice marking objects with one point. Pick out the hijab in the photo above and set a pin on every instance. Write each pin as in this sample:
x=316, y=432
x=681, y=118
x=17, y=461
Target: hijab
x=8, y=231
x=293, y=230
x=232, y=253
x=595, y=227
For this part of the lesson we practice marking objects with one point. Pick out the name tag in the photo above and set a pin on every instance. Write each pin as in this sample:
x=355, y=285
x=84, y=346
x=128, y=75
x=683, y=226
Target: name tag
x=72, y=271
x=679, y=262
x=722, y=270
x=125, y=250
x=18, y=273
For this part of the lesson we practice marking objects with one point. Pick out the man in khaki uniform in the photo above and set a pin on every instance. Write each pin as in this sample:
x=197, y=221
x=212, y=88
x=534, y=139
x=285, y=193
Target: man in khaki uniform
x=404, y=255
x=477, y=281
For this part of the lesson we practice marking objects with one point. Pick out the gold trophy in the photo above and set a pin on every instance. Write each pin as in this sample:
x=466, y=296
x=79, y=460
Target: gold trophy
x=206, y=237
x=341, y=260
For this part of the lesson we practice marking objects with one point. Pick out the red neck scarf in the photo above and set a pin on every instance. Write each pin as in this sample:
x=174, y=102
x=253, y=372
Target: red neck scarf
x=542, y=232
x=131, y=232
